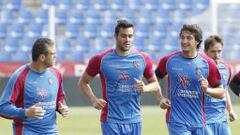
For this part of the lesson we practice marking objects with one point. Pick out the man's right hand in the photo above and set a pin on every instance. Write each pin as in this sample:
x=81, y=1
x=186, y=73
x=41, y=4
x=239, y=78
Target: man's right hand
x=165, y=103
x=35, y=111
x=99, y=103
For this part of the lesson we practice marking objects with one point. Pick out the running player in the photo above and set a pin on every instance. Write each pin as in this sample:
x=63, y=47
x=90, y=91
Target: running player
x=34, y=92
x=189, y=75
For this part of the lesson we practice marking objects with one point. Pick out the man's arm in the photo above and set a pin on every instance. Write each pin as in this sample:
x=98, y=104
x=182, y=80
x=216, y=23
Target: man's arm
x=231, y=112
x=235, y=85
x=84, y=85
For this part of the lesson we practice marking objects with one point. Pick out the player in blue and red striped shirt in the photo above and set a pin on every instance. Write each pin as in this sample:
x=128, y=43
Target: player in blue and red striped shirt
x=215, y=108
x=34, y=92
x=121, y=71
x=189, y=74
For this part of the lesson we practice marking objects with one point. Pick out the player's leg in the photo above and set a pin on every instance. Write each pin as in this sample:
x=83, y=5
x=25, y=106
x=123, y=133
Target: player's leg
x=178, y=129
x=131, y=129
x=110, y=128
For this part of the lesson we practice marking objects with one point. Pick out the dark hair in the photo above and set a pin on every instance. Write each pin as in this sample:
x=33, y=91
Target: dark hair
x=195, y=30
x=211, y=40
x=41, y=47
x=123, y=23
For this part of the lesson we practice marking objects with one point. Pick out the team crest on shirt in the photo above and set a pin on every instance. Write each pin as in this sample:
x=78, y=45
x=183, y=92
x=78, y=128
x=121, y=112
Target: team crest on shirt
x=42, y=93
x=198, y=71
x=135, y=64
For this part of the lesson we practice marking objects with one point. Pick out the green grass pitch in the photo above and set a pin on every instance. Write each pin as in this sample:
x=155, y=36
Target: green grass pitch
x=85, y=121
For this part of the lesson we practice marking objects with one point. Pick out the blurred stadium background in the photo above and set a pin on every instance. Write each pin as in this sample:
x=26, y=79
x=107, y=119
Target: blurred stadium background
x=82, y=28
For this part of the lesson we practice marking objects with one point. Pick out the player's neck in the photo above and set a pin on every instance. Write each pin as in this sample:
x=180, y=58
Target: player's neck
x=189, y=54
x=37, y=67
x=122, y=53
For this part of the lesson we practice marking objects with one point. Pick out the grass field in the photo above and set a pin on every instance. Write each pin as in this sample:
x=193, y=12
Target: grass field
x=85, y=121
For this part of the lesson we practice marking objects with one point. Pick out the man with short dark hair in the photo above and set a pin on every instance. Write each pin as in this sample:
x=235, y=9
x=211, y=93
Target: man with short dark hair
x=121, y=71
x=189, y=76
x=34, y=93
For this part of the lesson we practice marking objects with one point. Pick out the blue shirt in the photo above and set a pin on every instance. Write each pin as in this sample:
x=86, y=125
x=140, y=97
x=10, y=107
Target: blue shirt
x=216, y=108
x=184, y=88
x=117, y=75
x=26, y=88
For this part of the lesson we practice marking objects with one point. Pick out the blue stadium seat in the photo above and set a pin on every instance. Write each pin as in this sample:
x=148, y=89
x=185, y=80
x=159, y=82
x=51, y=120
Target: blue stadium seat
x=3, y=30
x=139, y=43
x=117, y=4
x=135, y=4
x=162, y=16
x=12, y=44
x=16, y=30
x=168, y=4
x=47, y=3
x=110, y=16
x=25, y=16
x=76, y=56
x=155, y=44
x=64, y=45
x=82, y=4
x=107, y=30
x=65, y=4
x=21, y=56
x=90, y=30
x=61, y=16
x=101, y=44
x=27, y=43
x=145, y=17
x=185, y=5
x=152, y=4
x=76, y=17
x=82, y=44
x=7, y=16
x=13, y=4
x=34, y=29
x=160, y=30
x=128, y=13
x=100, y=4
x=142, y=30
x=93, y=16
x=200, y=6
x=179, y=16
x=72, y=30
x=41, y=16
x=5, y=56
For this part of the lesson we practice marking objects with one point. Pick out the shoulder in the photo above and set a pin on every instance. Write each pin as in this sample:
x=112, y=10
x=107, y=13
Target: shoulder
x=98, y=57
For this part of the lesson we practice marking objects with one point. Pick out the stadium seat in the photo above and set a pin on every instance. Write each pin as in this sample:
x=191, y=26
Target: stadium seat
x=12, y=44
x=16, y=30
x=151, y=4
x=7, y=16
x=5, y=56
x=41, y=16
x=139, y=43
x=101, y=4
x=47, y=3
x=90, y=31
x=144, y=17
x=117, y=4
x=200, y=6
x=160, y=30
x=61, y=16
x=34, y=29
x=27, y=43
x=168, y=4
x=155, y=44
x=101, y=44
x=127, y=13
x=3, y=30
x=142, y=30
x=64, y=45
x=76, y=17
x=82, y=4
x=25, y=16
x=135, y=5
x=110, y=16
x=162, y=16
x=21, y=56
x=179, y=16
x=107, y=30
x=185, y=5
x=76, y=56
x=93, y=17
x=72, y=30
x=64, y=4
x=82, y=44
x=13, y=4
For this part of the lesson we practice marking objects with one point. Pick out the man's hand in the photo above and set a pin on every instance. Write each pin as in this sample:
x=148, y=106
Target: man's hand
x=140, y=85
x=63, y=109
x=204, y=84
x=99, y=103
x=164, y=103
x=35, y=111
x=232, y=116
